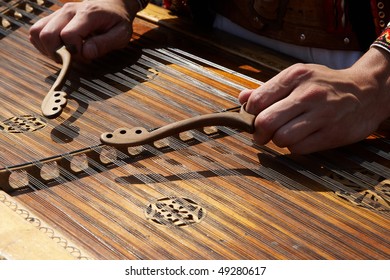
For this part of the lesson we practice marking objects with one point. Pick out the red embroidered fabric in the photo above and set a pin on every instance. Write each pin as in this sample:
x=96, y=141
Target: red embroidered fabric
x=177, y=6
x=383, y=41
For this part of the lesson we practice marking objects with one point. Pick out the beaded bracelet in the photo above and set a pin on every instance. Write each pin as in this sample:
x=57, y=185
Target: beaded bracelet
x=383, y=41
x=143, y=3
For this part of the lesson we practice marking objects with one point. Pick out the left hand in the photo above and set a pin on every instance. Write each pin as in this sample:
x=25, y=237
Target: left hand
x=91, y=28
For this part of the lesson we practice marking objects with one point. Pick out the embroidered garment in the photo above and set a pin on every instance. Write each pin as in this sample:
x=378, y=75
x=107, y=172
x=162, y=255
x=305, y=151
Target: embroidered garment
x=330, y=24
x=383, y=41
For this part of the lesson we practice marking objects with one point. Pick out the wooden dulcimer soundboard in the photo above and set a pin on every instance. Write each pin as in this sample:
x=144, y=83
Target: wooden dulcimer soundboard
x=203, y=193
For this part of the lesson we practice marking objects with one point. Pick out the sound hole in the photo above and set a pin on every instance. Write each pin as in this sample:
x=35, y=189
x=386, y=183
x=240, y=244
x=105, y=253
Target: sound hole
x=22, y=124
x=175, y=211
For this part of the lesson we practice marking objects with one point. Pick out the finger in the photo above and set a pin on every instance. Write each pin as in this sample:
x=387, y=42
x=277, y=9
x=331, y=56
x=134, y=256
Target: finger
x=101, y=44
x=244, y=95
x=75, y=31
x=35, y=31
x=96, y=35
x=328, y=136
x=276, y=117
x=277, y=88
x=49, y=36
x=315, y=142
x=296, y=130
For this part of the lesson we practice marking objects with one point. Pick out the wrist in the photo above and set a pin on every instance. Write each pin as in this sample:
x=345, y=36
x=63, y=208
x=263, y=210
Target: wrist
x=371, y=74
x=132, y=7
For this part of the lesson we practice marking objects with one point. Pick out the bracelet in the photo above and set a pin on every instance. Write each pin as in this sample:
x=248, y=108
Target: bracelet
x=383, y=41
x=143, y=3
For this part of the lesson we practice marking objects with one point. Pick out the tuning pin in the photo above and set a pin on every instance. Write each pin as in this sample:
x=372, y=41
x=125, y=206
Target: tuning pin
x=28, y=8
x=18, y=15
x=5, y=23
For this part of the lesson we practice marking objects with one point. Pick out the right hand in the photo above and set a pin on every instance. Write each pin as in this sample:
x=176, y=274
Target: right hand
x=90, y=29
x=309, y=108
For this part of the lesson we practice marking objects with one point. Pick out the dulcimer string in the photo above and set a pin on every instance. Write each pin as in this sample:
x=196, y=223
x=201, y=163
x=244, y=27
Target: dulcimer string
x=77, y=201
x=330, y=184
x=37, y=185
x=148, y=65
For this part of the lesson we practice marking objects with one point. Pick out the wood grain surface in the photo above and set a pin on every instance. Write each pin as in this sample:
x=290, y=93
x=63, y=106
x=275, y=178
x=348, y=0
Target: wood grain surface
x=205, y=194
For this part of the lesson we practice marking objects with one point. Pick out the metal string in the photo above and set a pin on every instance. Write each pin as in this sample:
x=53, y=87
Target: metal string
x=150, y=179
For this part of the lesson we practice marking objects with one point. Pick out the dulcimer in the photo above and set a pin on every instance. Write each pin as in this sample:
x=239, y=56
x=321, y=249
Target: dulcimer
x=201, y=192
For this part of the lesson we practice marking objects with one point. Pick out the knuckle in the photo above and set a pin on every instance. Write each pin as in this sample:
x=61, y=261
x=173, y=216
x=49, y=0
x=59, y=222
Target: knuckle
x=70, y=9
x=264, y=129
x=281, y=138
x=298, y=69
x=88, y=9
x=297, y=73
x=37, y=27
x=265, y=122
x=257, y=100
x=45, y=35
x=66, y=35
x=68, y=6
x=260, y=138
x=315, y=93
x=35, y=30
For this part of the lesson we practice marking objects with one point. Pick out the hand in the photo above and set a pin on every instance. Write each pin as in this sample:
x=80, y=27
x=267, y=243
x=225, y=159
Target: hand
x=309, y=108
x=90, y=28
